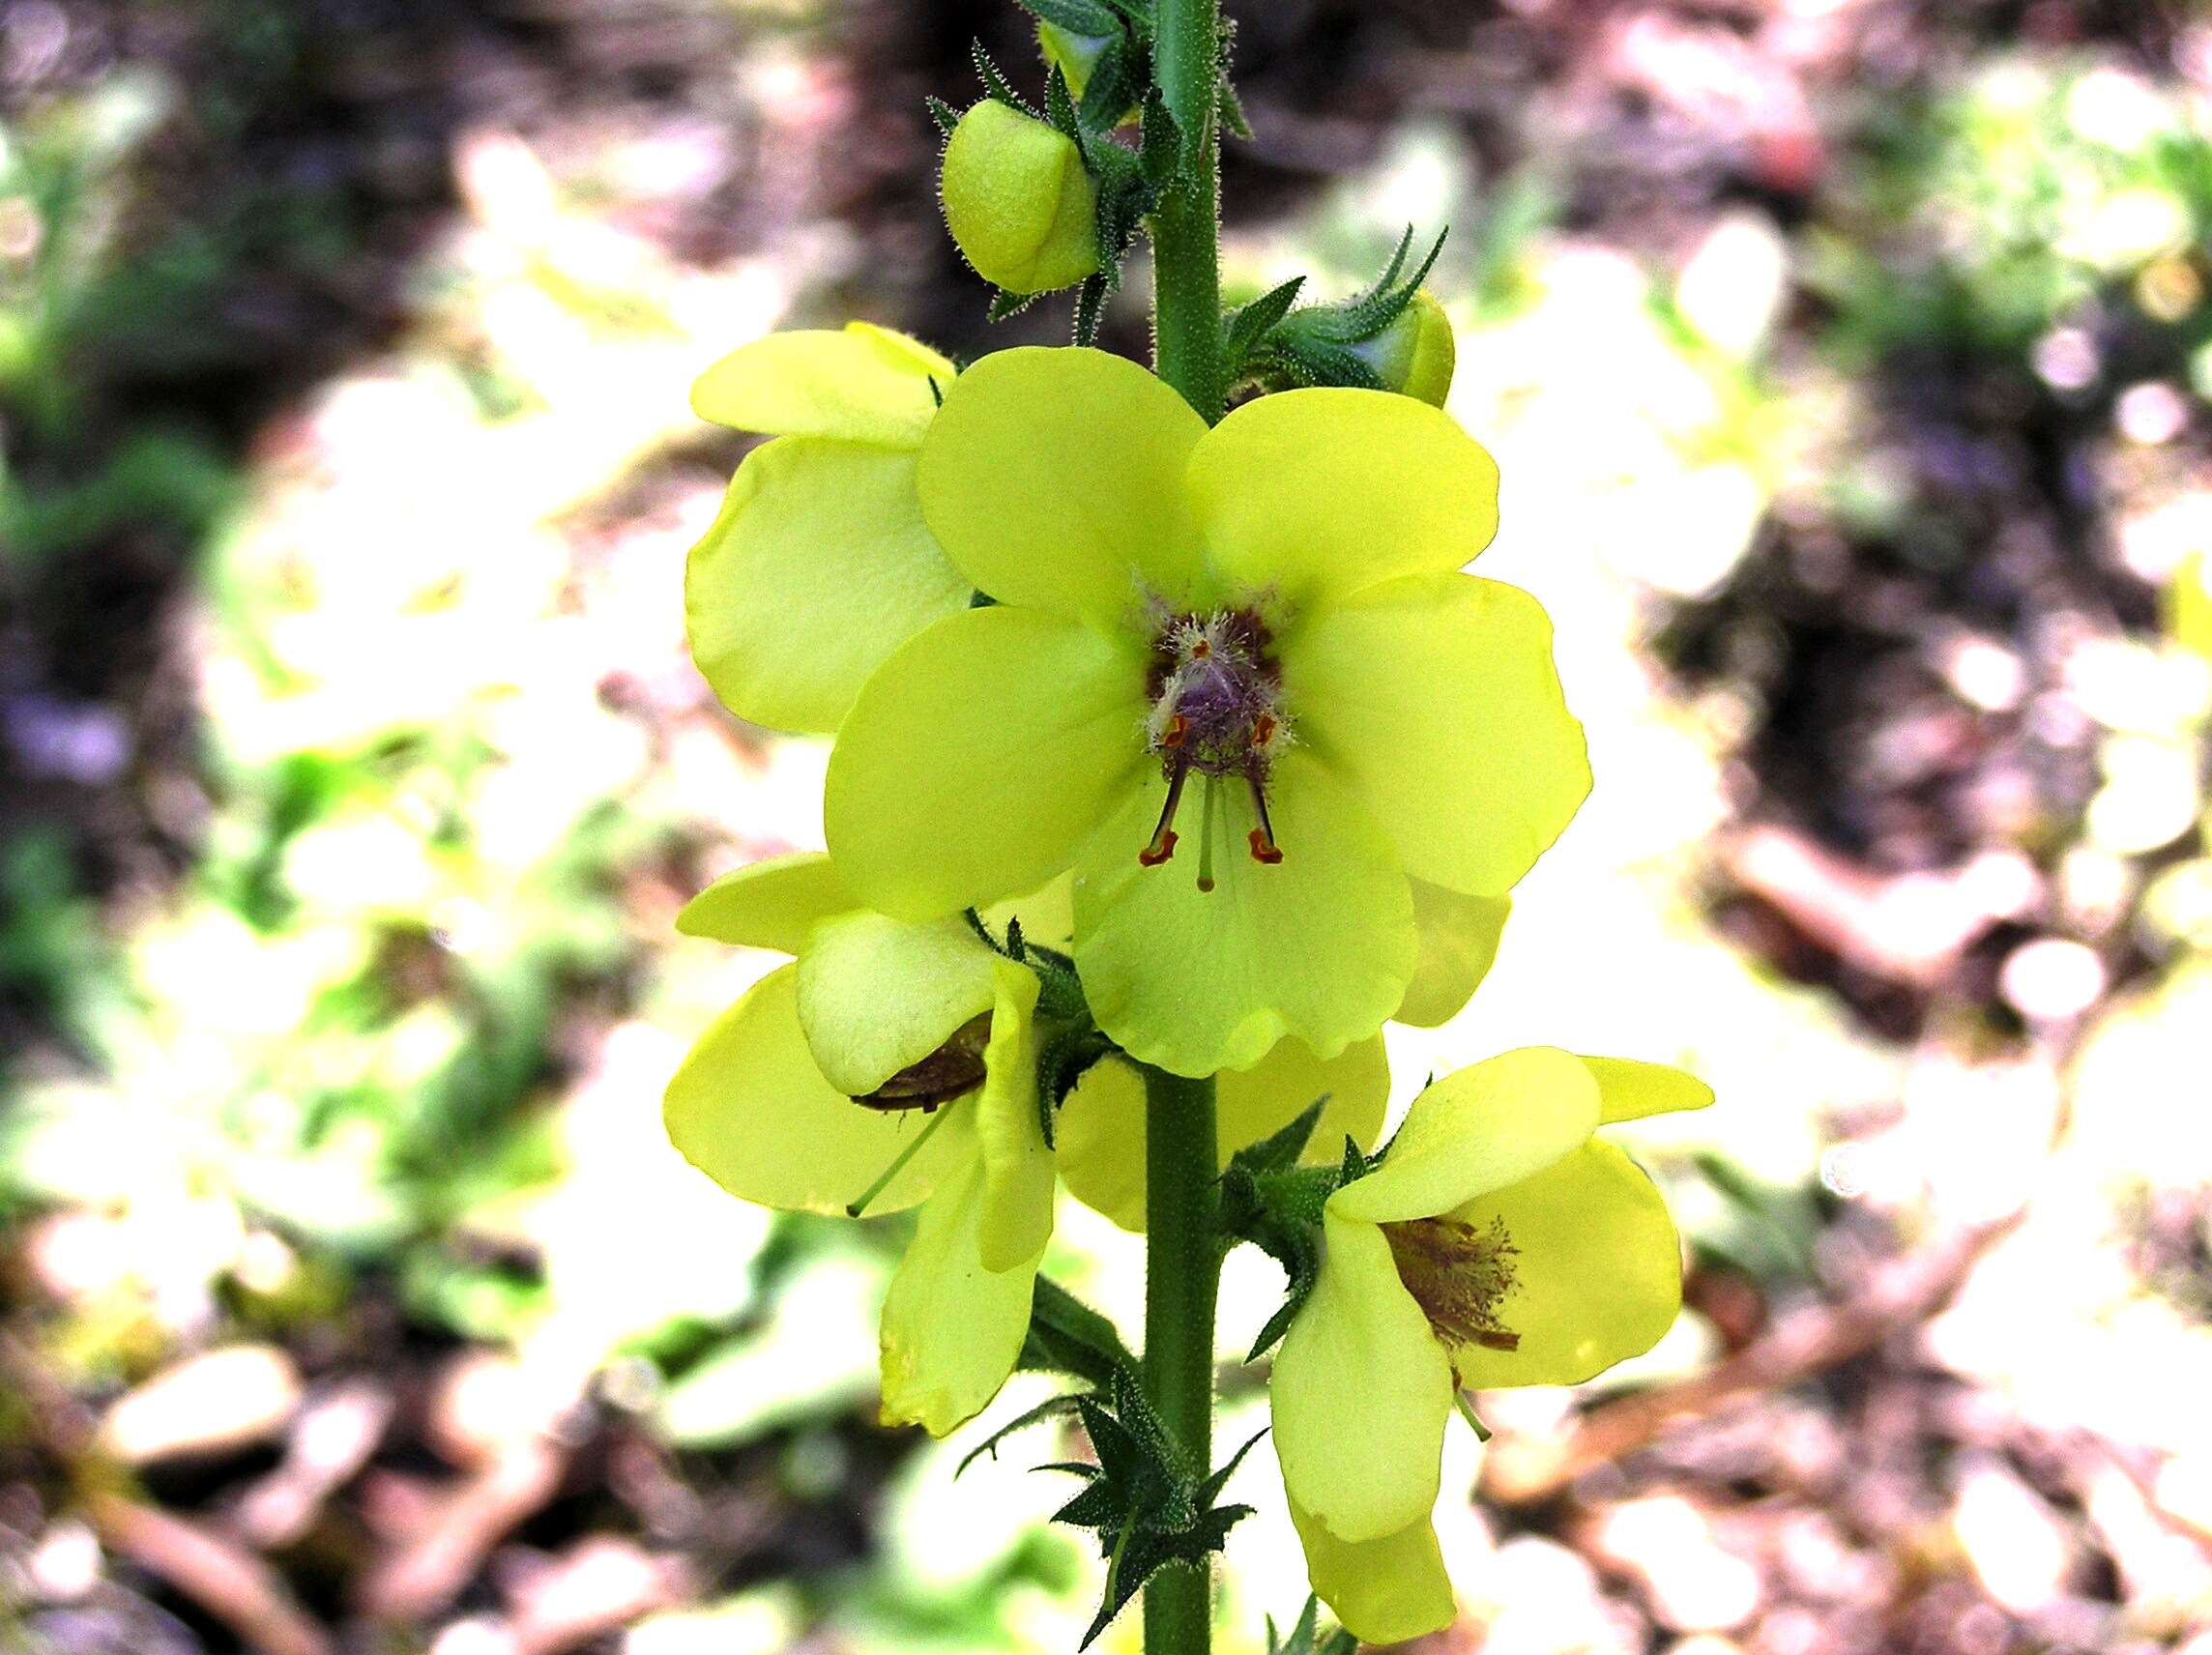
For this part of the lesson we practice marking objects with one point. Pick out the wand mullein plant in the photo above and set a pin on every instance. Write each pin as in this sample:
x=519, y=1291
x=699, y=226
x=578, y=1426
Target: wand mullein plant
x=1174, y=755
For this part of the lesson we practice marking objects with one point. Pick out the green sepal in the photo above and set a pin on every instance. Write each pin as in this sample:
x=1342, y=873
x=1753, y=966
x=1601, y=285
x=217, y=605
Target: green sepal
x=1147, y=1507
x=1113, y=88
x=1062, y=1063
x=1279, y=1151
x=1089, y=308
x=995, y=83
x=1231, y=113
x=1270, y=1200
x=1143, y=1552
x=943, y=114
x=1059, y=111
x=1314, y=345
x=1248, y=323
x=1004, y=304
x=1159, y=145
x=1305, y=1638
x=1066, y=1336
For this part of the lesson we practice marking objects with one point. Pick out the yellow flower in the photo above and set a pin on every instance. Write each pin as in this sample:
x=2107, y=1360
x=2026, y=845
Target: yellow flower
x=829, y=1071
x=1496, y=1243
x=819, y=563
x=1231, y=678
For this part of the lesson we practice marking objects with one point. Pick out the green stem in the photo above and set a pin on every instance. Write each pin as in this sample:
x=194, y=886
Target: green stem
x=1182, y=1267
x=1183, y=1270
x=1186, y=225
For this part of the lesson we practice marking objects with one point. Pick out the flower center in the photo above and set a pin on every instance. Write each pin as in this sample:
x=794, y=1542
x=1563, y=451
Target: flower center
x=1458, y=1276
x=953, y=1068
x=1216, y=710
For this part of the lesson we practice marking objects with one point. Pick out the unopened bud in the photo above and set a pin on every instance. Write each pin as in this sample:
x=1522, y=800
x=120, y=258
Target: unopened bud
x=1414, y=355
x=1019, y=201
x=1074, y=55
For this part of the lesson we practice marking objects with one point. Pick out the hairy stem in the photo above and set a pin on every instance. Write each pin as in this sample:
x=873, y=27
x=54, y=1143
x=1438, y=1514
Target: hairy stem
x=1181, y=1272
x=1186, y=225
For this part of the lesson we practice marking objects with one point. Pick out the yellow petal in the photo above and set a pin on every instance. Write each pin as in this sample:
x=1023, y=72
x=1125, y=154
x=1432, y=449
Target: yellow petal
x=1438, y=697
x=1100, y=1129
x=749, y=1109
x=1316, y=494
x=952, y=1330
x=876, y=995
x=1317, y=947
x=770, y=904
x=1052, y=477
x=1476, y=1130
x=978, y=757
x=1362, y=1390
x=1018, y=1181
x=1390, y=1590
x=1599, y=1270
x=1629, y=1091
x=817, y=568
x=1458, y=937
x=863, y=385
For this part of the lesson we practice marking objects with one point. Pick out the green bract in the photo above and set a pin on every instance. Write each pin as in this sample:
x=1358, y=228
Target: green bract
x=1496, y=1243
x=1019, y=201
x=1232, y=678
x=820, y=564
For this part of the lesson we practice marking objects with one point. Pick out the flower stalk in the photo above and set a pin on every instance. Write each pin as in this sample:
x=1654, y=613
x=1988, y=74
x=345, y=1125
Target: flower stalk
x=1182, y=1264
x=1182, y=1268
x=1187, y=227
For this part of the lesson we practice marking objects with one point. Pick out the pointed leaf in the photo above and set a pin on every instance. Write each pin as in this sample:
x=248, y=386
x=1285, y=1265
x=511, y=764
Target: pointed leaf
x=996, y=84
x=1281, y=1151
x=1252, y=322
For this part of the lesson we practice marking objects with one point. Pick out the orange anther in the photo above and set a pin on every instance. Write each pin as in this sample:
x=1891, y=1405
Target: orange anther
x=1177, y=728
x=1161, y=849
x=1263, y=849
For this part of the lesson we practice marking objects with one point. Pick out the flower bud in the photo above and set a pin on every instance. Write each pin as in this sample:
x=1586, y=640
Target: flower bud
x=1414, y=355
x=1077, y=57
x=1074, y=55
x=1020, y=204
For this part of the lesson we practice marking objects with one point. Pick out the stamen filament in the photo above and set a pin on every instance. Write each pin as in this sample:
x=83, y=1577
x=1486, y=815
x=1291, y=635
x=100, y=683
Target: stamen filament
x=1164, y=835
x=1262, y=837
x=937, y=1119
x=1206, y=836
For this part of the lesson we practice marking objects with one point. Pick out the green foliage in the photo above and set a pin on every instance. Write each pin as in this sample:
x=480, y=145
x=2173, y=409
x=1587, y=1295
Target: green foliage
x=1993, y=209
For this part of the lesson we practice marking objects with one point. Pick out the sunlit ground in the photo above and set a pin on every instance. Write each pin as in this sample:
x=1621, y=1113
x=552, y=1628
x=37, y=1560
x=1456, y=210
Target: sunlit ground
x=389, y=1041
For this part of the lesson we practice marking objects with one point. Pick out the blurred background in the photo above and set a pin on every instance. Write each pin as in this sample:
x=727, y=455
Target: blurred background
x=1848, y=362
